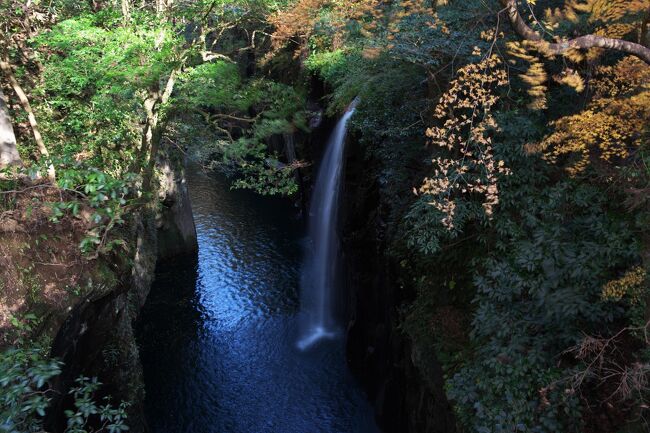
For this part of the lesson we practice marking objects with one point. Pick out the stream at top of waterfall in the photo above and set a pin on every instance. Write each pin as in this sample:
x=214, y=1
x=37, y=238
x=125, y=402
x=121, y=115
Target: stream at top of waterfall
x=218, y=334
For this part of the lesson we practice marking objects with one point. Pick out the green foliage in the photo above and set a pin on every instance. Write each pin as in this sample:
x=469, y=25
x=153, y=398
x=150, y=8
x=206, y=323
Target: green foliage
x=246, y=114
x=217, y=84
x=535, y=300
x=381, y=83
x=267, y=179
x=112, y=419
x=329, y=65
x=539, y=292
x=101, y=199
x=94, y=81
x=25, y=374
x=423, y=228
x=98, y=73
x=107, y=196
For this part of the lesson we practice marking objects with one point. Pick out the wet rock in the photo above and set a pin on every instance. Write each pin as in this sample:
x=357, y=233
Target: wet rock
x=175, y=223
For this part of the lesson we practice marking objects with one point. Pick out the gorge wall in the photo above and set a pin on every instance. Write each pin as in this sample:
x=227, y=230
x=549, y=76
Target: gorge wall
x=406, y=388
x=85, y=308
x=97, y=338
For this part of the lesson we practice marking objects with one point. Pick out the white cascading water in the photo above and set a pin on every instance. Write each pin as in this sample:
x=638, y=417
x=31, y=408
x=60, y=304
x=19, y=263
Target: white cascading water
x=319, y=277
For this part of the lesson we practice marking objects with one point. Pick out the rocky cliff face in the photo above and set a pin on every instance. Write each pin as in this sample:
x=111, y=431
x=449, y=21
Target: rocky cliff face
x=176, y=231
x=97, y=339
x=86, y=309
x=406, y=389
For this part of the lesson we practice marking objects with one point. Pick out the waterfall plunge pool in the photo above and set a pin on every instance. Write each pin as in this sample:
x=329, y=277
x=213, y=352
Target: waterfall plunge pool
x=218, y=335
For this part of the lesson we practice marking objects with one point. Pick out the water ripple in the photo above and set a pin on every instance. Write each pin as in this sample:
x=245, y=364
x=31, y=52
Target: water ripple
x=218, y=335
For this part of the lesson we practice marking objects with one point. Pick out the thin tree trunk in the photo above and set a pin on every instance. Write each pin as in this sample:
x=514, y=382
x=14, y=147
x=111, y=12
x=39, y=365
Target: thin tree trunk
x=8, y=151
x=5, y=66
x=158, y=126
x=154, y=129
x=126, y=11
x=163, y=6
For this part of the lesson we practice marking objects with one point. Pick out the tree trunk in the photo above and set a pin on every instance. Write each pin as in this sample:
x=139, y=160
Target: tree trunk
x=160, y=6
x=154, y=129
x=8, y=150
x=5, y=66
x=126, y=11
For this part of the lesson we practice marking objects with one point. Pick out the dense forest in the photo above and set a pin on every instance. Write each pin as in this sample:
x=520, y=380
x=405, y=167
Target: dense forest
x=494, y=211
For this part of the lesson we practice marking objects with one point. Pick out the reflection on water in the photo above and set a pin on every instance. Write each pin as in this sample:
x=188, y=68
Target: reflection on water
x=218, y=335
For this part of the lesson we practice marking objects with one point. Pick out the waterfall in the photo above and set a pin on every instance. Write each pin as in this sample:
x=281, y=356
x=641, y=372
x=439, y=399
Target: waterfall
x=320, y=273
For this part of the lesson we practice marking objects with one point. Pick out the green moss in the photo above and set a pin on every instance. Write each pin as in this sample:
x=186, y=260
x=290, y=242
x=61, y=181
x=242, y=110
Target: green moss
x=105, y=274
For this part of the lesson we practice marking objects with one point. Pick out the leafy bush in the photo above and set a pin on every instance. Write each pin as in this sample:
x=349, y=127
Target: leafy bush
x=112, y=419
x=25, y=395
x=535, y=299
x=23, y=375
x=105, y=199
x=108, y=197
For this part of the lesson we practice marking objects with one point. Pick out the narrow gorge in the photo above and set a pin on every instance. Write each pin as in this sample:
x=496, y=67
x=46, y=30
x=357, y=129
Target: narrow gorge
x=302, y=216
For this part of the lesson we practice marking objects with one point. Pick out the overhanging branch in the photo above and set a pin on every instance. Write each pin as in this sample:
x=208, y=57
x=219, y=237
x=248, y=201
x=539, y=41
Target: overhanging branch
x=582, y=42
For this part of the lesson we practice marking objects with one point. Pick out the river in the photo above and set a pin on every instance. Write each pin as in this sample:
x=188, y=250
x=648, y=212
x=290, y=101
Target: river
x=218, y=334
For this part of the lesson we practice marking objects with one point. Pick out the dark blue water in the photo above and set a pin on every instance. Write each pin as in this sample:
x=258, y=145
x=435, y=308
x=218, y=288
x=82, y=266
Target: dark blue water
x=218, y=335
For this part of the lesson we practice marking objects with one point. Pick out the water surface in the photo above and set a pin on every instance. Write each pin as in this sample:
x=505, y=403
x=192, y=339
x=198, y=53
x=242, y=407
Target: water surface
x=218, y=335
